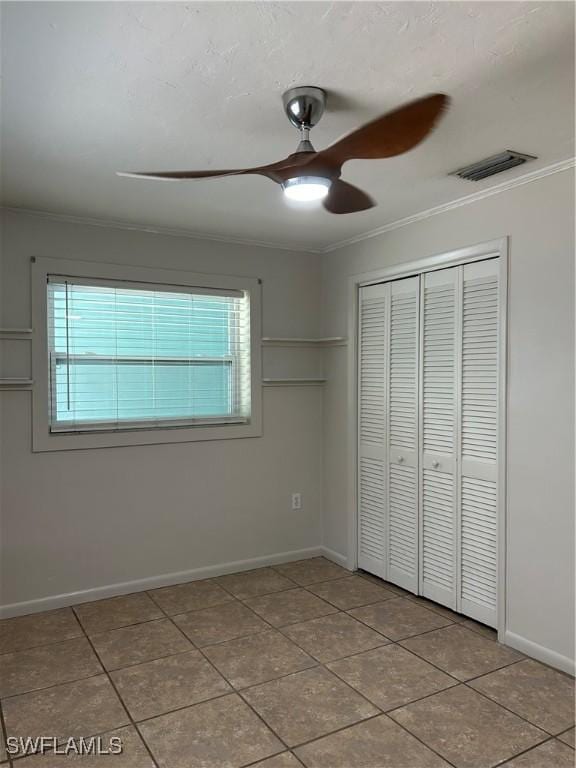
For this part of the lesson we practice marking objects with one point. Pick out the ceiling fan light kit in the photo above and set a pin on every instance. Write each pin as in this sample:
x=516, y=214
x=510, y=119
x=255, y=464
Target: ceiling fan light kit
x=306, y=189
x=308, y=175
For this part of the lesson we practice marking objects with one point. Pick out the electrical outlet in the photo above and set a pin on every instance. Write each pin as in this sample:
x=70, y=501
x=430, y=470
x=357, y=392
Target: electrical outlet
x=296, y=501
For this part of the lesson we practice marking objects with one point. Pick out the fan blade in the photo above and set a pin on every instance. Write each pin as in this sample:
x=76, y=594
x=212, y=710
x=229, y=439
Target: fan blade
x=292, y=161
x=389, y=135
x=345, y=198
x=180, y=175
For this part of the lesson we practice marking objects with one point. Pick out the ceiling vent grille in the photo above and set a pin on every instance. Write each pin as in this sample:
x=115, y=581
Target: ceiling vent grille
x=492, y=165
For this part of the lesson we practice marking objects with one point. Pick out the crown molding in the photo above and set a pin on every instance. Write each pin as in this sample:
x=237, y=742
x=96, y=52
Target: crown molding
x=504, y=186
x=155, y=230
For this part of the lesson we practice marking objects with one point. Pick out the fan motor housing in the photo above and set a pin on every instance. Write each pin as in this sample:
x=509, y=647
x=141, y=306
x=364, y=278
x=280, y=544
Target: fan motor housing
x=304, y=105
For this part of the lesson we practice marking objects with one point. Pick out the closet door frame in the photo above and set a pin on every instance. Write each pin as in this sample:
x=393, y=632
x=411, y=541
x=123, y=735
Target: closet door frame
x=498, y=248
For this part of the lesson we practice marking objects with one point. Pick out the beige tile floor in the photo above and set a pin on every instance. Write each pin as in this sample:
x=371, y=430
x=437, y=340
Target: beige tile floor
x=298, y=665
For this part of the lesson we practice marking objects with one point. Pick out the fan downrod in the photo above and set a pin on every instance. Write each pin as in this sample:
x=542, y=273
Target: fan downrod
x=304, y=106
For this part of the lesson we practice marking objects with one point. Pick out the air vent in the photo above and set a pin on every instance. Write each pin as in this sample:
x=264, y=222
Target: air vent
x=492, y=165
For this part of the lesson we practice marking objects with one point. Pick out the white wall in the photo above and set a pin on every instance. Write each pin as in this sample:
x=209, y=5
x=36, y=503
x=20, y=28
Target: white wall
x=539, y=218
x=80, y=520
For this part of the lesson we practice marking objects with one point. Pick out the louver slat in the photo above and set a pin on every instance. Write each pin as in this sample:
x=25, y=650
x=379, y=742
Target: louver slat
x=438, y=529
x=438, y=378
x=372, y=524
x=403, y=417
x=372, y=363
x=402, y=528
x=480, y=368
x=479, y=553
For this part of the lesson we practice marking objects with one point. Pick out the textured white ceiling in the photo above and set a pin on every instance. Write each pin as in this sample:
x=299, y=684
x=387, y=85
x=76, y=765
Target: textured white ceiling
x=92, y=87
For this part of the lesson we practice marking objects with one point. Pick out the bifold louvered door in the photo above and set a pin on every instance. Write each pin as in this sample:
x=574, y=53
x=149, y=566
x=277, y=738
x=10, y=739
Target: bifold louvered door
x=429, y=435
x=373, y=343
x=402, y=434
x=388, y=444
x=439, y=414
x=479, y=441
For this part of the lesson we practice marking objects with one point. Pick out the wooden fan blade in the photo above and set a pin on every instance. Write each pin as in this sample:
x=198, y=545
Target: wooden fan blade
x=345, y=198
x=180, y=175
x=292, y=161
x=389, y=135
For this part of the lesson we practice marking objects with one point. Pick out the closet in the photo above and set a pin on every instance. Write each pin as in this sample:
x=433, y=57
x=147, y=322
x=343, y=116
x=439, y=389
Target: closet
x=428, y=384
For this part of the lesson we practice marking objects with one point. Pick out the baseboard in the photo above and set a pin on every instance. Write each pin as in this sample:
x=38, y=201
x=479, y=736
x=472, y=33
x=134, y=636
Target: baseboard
x=539, y=652
x=336, y=557
x=153, y=582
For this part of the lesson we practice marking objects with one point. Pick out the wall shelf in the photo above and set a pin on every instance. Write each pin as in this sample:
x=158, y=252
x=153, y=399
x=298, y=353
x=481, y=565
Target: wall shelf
x=293, y=382
x=9, y=384
x=328, y=341
x=15, y=333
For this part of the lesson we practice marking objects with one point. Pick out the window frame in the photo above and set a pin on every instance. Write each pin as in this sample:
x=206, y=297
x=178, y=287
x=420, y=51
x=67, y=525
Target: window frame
x=43, y=439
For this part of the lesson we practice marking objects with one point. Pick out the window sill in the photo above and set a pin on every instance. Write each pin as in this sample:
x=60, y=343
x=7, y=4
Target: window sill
x=68, y=441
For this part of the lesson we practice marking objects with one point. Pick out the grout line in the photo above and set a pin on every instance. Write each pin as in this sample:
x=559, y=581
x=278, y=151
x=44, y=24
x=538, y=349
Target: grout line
x=230, y=639
x=124, y=626
x=565, y=742
x=4, y=734
x=87, y=633
x=333, y=609
x=339, y=730
x=54, y=685
x=292, y=586
x=456, y=618
x=258, y=762
x=496, y=669
x=237, y=597
x=244, y=688
x=112, y=670
x=43, y=645
x=50, y=642
x=432, y=664
x=529, y=749
x=399, y=639
x=440, y=755
x=545, y=664
x=228, y=599
x=460, y=617
x=520, y=717
x=144, y=720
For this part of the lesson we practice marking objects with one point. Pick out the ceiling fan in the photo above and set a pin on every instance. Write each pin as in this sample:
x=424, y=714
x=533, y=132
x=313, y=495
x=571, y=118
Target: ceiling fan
x=308, y=175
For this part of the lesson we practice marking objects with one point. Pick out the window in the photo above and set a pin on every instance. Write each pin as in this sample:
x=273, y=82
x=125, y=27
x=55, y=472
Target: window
x=127, y=356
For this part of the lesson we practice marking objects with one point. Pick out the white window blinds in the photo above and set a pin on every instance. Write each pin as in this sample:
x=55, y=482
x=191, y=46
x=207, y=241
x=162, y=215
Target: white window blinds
x=129, y=355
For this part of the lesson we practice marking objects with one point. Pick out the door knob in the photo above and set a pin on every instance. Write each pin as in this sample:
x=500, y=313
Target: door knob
x=435, y=464
x=400, y=459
